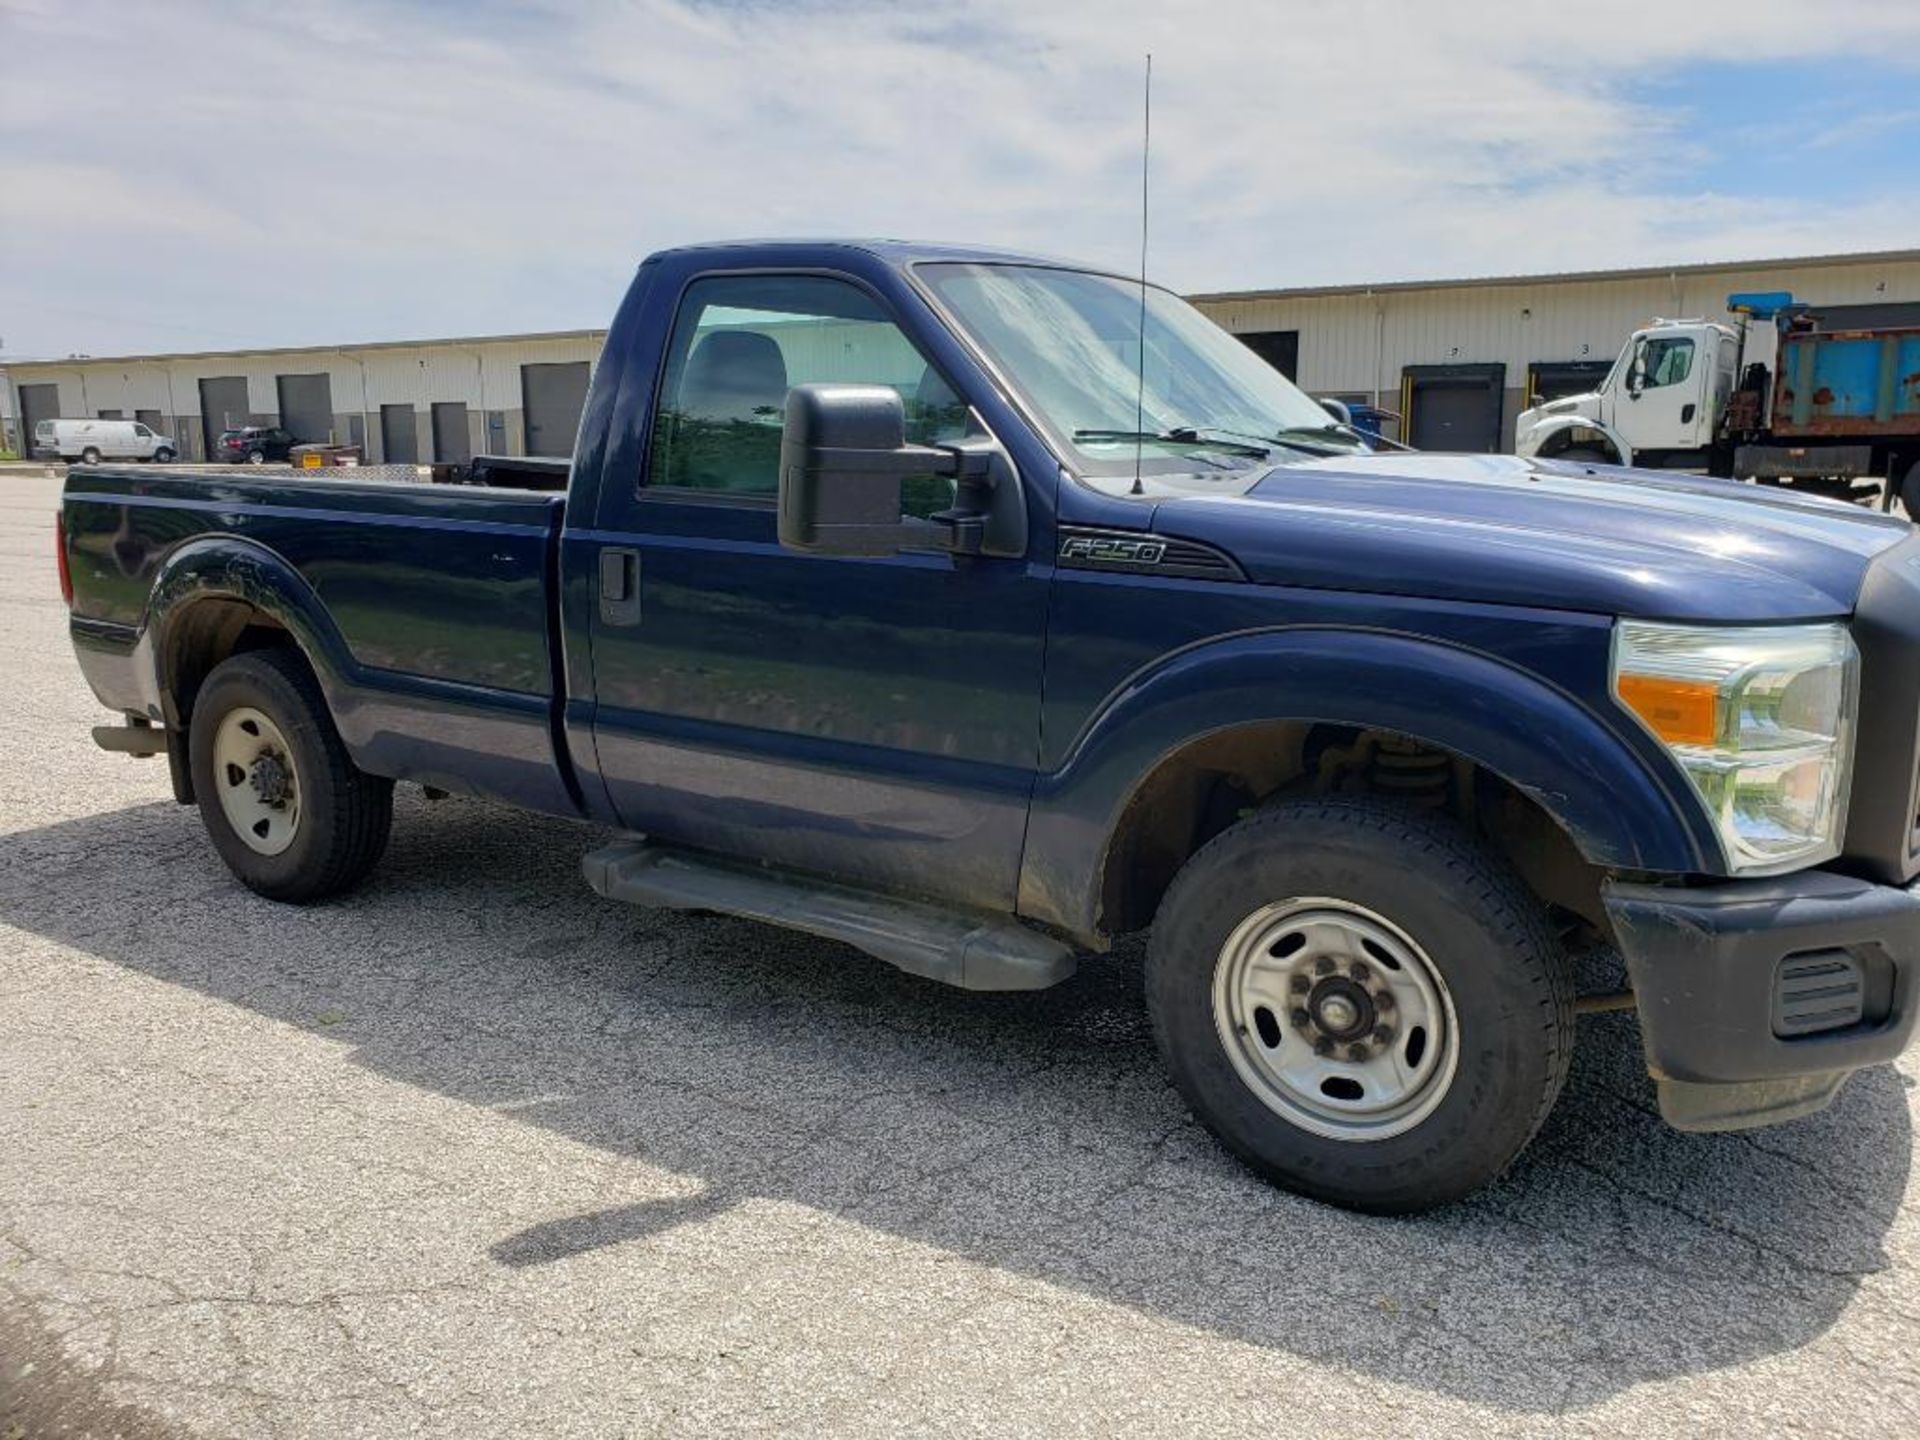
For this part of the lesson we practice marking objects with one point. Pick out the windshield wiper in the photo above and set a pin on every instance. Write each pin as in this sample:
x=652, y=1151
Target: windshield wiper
x=1344, y=432
x=1334, y=431
x=1233, y=443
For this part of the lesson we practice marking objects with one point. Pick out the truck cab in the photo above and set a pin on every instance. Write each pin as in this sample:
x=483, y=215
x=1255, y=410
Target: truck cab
x=1661, y=405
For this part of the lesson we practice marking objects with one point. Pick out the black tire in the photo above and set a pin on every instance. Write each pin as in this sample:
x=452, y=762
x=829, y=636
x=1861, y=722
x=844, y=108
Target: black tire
x=256, y=457
x=89, y=456
x=1586, y=456
x=163, y=456
x=1910, y=492
x=345, y=814
x=1483, y=933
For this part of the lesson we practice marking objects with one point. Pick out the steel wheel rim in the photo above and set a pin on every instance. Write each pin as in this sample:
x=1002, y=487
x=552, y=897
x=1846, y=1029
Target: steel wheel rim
x=1302, y=990
x=256, y=779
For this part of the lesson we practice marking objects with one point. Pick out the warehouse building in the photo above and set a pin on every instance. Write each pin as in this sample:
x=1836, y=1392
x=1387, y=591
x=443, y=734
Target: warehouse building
x=1456, y=359
x=420, y=401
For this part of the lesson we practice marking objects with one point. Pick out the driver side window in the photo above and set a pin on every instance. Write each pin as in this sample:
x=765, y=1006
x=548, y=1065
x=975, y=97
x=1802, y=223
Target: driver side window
x=739, y=342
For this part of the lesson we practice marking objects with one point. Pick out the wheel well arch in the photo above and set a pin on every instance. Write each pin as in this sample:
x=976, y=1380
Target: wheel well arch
x=1582, y=434
x=1207, y=785
x=220, y=595
x=202, y=633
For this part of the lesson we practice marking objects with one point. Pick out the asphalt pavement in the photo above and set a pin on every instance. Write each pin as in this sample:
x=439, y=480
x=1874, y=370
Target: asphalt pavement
x=474, y=1152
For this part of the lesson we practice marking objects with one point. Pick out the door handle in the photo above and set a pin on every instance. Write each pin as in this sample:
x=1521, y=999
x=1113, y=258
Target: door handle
x=619, y=586
x=1686, y=414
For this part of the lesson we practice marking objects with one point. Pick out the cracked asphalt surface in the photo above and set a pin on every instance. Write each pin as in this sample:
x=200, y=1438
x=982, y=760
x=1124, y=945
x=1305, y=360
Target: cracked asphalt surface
x=475, y=1152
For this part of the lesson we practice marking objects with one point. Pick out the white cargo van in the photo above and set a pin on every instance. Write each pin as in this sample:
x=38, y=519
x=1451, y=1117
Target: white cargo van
x=89, y=441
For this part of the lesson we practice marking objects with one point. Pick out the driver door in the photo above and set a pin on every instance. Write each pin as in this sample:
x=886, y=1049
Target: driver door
x=871, y=719
x=1664, y=411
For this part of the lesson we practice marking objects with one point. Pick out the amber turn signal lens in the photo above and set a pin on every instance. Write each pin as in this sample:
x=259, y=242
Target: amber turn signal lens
x=1681, y=712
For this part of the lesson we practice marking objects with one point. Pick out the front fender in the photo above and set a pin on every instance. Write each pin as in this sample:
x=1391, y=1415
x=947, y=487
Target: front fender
x=1622, y=803
x=1536, y=436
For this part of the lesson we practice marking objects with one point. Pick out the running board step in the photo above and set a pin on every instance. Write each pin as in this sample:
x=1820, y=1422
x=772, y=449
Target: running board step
x=945, y=945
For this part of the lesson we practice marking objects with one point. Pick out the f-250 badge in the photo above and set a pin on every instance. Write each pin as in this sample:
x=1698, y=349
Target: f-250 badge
x=1116, y=549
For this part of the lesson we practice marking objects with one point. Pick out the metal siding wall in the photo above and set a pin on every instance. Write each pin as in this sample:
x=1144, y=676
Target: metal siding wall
x=1516, y=324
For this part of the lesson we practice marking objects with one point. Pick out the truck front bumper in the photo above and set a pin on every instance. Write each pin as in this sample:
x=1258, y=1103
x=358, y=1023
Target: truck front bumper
x=1757, y=998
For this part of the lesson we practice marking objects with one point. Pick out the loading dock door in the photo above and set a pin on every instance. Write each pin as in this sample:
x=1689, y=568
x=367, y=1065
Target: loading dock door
x=554, y=396
x=451, y=444
x=399, y=444
x=37, y=403
x=306, y=406
x=1279, y=348
x=1550, y=379
x=1453, y=407
x=223, y=406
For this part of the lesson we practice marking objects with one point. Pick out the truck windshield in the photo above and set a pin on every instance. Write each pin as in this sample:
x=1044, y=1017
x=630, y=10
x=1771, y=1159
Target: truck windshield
x=1069, y=342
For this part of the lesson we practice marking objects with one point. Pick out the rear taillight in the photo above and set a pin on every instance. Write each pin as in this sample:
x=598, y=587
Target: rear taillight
x=60, y=558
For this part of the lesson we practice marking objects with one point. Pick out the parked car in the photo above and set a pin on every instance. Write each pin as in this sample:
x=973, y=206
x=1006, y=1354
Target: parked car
x=91, y=441
x=255, y=445
x=1014, y=647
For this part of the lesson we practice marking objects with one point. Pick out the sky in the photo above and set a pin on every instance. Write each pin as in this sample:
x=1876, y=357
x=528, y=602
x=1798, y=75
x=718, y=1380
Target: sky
x=193, y=175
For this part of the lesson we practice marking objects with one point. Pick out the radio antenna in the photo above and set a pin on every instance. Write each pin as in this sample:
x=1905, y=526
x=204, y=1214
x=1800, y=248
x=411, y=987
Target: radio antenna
x=1140, y=376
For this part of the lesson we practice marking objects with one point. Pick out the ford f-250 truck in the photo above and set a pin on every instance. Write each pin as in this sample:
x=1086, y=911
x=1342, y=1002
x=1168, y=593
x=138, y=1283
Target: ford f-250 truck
x=977, y=609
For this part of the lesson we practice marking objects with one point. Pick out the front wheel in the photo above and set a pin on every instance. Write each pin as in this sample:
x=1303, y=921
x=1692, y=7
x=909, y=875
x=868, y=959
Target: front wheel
x=282, y=801
x=256, y=457
x=1364, y=1004
x=163, y=456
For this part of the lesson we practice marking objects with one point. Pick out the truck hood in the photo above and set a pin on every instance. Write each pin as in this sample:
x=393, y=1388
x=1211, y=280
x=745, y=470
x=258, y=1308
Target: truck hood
x=1503, y=529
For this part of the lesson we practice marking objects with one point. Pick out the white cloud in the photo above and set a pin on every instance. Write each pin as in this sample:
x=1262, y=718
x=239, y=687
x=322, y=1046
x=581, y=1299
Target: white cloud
x=322, y=169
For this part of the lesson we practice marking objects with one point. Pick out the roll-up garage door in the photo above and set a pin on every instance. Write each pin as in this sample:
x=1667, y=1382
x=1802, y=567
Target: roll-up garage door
x=399, y=444
x=1550, y=379
x=223, y=406
x=555, y=395
x=37, y=403
x=451, y=442
x=1453, y=407
x=306, y=406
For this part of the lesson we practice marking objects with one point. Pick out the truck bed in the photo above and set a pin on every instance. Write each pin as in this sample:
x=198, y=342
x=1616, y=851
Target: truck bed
x=426, y=608
x=1848, y=383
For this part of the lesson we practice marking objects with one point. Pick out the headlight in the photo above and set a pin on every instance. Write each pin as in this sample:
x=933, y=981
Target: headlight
x=1761, y=720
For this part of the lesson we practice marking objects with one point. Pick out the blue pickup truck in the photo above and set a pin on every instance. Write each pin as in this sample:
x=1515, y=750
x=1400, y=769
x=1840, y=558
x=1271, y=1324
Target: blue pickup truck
x=977, y=609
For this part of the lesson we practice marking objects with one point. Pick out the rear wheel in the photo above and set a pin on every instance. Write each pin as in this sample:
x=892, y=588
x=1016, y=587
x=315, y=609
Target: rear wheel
x=90, y=456
x=282, y=802
x=1363, y=1003
x=256, y=457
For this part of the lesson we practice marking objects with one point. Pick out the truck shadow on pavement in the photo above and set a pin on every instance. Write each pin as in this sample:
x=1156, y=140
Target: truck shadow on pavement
x=1035, y=1133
